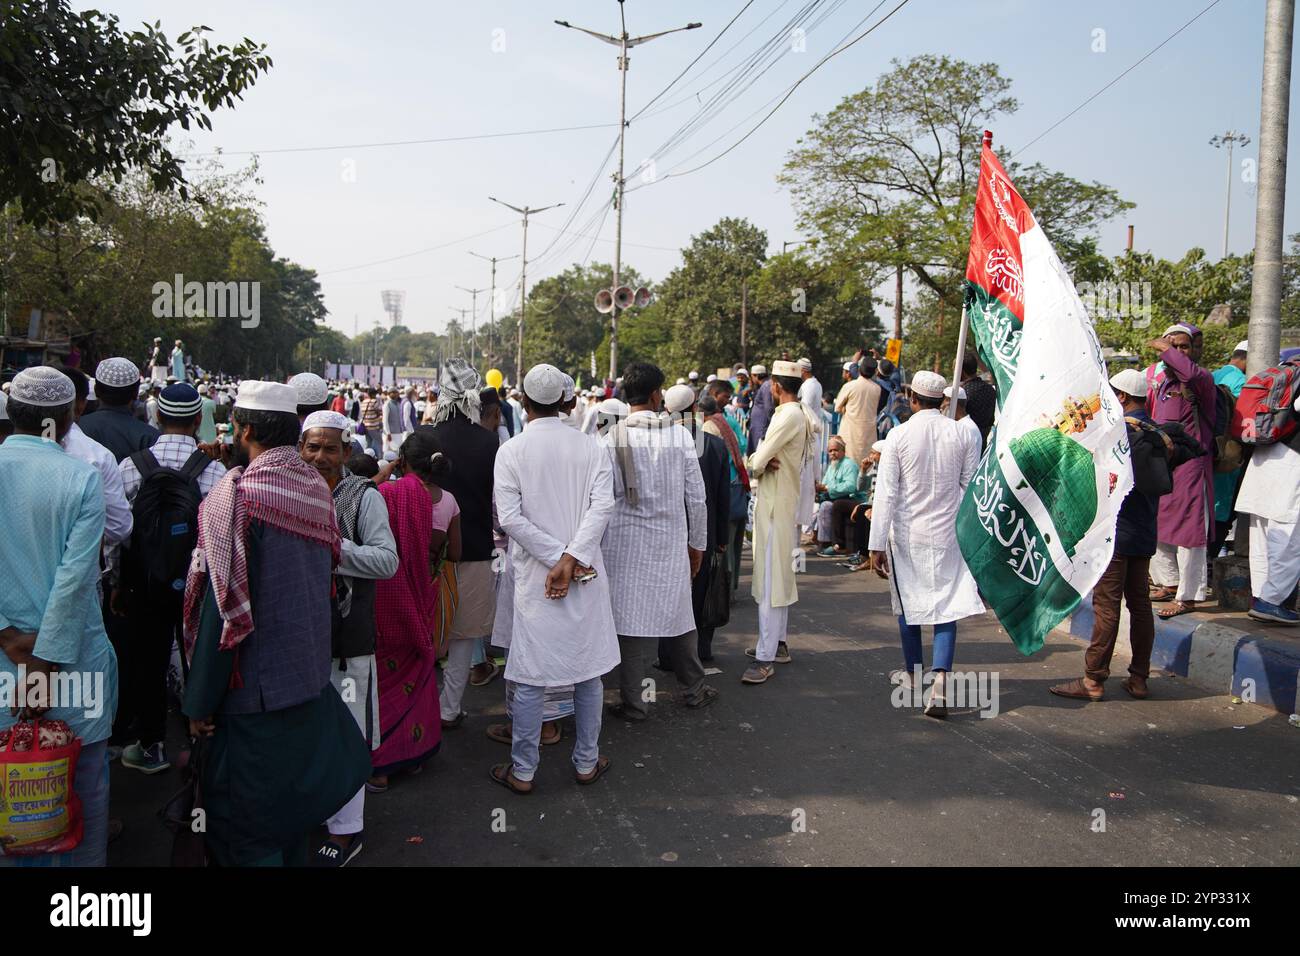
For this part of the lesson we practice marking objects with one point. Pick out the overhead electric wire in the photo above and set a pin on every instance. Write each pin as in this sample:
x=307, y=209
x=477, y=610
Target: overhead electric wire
x=747, y=5
x=1140, y=61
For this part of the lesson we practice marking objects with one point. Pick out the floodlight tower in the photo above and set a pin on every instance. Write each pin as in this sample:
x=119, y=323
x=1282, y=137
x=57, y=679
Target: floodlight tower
x=393, y=299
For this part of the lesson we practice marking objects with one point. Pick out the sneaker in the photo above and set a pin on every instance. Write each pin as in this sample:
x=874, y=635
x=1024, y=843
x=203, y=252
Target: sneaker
x=757, y=673
x=828, y=552
x=335, y=855
x=1272, y=613
x=782, y=653
x=149, y=760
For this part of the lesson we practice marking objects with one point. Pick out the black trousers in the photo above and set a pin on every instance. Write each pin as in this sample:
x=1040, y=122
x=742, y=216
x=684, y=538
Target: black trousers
x=841, y=520
x=155, y=625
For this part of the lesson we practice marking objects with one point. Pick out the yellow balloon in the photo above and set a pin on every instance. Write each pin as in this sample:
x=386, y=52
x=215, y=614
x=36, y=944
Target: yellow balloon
x=494, y=377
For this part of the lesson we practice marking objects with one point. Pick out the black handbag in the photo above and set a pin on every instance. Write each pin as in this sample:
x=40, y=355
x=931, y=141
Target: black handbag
x=717, y=598
x=739, y=510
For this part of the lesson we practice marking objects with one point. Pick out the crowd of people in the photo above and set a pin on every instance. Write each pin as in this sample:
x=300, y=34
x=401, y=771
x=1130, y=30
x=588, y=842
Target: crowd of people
x=317, y=570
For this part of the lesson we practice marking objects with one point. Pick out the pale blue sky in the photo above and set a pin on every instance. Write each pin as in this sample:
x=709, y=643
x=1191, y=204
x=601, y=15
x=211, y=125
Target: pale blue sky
x=350, y=73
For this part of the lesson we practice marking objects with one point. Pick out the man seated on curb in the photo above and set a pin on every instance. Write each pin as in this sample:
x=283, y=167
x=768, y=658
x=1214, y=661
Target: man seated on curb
x=1270, y=494
x=1126, y=576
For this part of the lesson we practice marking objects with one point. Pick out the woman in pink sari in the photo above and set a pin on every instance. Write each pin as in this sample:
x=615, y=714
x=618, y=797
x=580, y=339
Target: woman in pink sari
x=426, y=526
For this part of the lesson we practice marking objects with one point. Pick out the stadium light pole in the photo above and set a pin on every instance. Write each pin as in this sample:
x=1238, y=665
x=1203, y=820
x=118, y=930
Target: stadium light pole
x=1229, y=139
x=624, y=43
x=526, y=211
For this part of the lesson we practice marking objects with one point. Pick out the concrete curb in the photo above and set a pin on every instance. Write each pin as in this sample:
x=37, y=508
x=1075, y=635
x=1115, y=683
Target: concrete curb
x=1213, y=656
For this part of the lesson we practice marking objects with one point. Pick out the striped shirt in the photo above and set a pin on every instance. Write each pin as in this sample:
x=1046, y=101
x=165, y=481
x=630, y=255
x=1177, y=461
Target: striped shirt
x=171, y=451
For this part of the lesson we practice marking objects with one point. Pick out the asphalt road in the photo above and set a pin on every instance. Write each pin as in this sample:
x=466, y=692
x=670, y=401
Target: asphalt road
x=817, y=767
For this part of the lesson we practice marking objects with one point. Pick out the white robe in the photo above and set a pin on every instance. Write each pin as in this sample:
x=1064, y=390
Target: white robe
x=554, y=494
x=924, y=469
x=810, y=395
x=645, y=546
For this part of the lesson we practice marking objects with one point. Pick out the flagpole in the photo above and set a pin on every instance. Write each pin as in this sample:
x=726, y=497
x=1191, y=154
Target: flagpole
x=965, y=321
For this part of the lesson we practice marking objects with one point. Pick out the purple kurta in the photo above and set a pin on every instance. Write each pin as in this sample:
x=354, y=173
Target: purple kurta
x=1186, y=395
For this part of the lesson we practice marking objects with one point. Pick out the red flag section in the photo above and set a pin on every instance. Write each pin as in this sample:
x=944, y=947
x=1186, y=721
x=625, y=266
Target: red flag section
x=1001, y=216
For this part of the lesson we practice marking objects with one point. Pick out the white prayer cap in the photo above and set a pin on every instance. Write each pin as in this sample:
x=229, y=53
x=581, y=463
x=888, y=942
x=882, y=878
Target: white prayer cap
x=157, y=338
x=267, y=397
x=680, y=381
x=1130, y=381
x=390, y=456
x=4, y=405
x=43, y=387
x=598, y=391
x=327, y=419
x=805, y=364
x=961, y=393
x=783, y=369
x=371, y=452
x=1243, y=346
x=612, y=406
x=694, y=375
x=711, y=378
x=117, y=372
x=929, y=384
x=848, y=366
x=1177, y=328
x=679, y=398
x=878, y=446
x=568, y=387
x=760, y=369
x=311, y=388
x=544, y=384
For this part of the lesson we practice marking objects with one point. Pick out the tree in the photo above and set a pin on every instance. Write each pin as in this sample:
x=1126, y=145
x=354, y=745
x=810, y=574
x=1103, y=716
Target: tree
x=80, y=99
x=888, y=178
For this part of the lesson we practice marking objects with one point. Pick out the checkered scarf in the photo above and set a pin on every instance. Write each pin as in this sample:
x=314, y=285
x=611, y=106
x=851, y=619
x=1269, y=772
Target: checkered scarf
x=278, y=488
x=458, y=391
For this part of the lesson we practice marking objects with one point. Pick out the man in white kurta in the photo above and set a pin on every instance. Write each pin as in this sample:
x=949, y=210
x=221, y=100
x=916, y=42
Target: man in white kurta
x=554, y=496
x=810, y=396
x=654, y=543
x=1270, y=494
x=775, y=469
x=924, y=469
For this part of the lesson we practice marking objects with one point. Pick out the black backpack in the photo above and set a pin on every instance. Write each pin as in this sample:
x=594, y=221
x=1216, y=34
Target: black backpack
x=166, y=515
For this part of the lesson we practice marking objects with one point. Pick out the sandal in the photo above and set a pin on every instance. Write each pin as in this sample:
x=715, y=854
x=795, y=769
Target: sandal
x=1161, y=594
x=455, y=722
x=602, y=765
x=504, y=774
x=1077, y=690
x=1175, y=609
x=1136, y=687
x=491, y=674
x=504, y=733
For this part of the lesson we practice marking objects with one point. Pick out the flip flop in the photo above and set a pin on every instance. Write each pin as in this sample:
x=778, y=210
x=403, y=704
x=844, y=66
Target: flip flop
x=1175, y=609
x=602, y=765
x=502, y=734
x=504, y=774
x=1161, y=594
x=1076, y=690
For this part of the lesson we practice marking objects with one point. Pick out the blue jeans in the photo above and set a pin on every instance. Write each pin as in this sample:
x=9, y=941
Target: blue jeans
x=92, y=787
x=588, y=698
x=945, y=642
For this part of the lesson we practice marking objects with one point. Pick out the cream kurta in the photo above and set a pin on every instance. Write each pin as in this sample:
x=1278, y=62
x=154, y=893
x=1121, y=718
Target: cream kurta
x=555, y=494
x=859, y=402
x=789, y=439
x=924, y=469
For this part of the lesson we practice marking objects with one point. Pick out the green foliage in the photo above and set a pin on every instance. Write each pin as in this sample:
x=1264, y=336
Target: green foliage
x=82, y=99
x=888, y=178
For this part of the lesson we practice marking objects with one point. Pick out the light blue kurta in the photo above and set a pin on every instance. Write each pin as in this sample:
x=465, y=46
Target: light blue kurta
x=178, y=364
x=51, y=525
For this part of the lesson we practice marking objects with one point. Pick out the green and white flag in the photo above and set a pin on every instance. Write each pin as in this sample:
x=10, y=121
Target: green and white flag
x=1037, y=523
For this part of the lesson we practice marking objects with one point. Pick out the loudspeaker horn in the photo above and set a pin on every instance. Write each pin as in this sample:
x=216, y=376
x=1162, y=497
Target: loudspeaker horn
x=604, y=301
x=641, y=298
x=623, y=297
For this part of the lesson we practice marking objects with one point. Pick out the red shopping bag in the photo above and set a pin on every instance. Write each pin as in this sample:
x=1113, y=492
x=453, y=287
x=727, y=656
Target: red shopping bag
x=39, y=809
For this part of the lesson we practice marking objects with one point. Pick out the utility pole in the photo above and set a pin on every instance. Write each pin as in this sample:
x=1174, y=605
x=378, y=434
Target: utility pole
x=624, y=43
x=1229, y=139
x=461, y=313
x=473, y=319
x=744, y=303
x=526, y=211
x=1265, y=330
x=492, y=295
x=898, y=302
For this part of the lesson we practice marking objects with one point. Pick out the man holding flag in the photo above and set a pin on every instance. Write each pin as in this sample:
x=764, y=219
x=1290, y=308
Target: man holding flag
x=926, y=464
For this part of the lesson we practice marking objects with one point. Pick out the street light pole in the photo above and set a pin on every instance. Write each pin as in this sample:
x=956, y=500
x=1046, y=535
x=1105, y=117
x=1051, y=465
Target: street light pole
x=1228, y=139
x=492, y=295
x=624, y=43
x=525, y=211
x=1270, y=198
x=473, y=319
